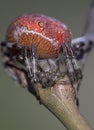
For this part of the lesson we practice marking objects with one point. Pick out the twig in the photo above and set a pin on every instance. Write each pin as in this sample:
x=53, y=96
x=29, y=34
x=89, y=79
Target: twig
x=60, y=100
x=85, y=43
x=89, y=26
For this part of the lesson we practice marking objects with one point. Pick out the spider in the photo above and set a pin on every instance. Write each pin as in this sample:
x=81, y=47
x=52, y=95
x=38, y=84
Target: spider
x=40, y=46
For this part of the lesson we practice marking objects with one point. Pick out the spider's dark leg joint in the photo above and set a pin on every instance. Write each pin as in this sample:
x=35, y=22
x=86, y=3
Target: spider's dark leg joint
x=3, y=43
x=80, y=54
x=3, y=46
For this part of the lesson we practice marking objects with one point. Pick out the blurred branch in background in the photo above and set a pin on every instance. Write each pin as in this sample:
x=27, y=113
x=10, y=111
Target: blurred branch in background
x=84, y=44
x=89, y=26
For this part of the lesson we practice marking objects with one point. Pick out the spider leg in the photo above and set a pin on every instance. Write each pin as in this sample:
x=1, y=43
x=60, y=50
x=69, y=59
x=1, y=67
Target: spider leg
x=27, y=62
x=73, y=68
x=69, y=66
x=76, y=66
x=31, y=62
x=34, y=62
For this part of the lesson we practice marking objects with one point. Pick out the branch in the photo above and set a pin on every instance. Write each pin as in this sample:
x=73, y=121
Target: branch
x=61, y=101
x=89, y=27
x=84, y=44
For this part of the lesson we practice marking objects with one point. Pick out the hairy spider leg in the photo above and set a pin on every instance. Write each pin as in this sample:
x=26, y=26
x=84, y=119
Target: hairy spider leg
x=27, y=62
x=34, y=62
x=69, y=66
x=76, y=66
x=30, y=61
x=77, y=71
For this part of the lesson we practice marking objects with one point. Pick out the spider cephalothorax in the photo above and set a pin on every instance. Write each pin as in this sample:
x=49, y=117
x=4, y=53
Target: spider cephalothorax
x=34, y=41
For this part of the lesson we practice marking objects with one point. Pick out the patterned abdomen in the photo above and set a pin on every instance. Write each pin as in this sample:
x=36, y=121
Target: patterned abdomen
x=47, y=33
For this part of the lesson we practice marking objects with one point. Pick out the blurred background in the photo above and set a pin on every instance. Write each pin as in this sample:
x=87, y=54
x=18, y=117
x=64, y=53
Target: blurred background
x=18, y=108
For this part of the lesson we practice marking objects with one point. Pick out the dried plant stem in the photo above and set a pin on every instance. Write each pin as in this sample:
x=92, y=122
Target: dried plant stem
x=60, y=100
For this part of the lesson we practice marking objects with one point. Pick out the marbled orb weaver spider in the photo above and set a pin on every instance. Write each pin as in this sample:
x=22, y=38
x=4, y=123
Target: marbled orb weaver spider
x=33, y=41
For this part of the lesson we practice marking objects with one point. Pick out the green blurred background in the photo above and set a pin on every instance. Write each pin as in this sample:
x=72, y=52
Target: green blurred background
x=18, y=108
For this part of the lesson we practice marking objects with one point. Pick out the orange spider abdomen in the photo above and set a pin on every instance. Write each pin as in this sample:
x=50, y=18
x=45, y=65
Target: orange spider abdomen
x=47, y=33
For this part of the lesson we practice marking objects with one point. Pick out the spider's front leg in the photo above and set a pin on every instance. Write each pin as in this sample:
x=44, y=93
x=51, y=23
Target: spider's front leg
x=73, y=69
x=30, y=59
x=19, y=65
